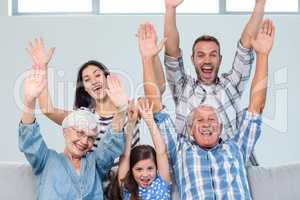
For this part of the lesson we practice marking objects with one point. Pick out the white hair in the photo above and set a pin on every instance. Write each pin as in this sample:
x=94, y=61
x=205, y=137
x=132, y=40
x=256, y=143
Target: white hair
x=191, y=114
x=83, y=119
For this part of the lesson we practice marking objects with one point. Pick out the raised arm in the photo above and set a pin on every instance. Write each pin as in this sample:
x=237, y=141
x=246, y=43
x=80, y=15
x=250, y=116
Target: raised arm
x=251, y=28
x=170, y=29
x=40, y=58
x=119, y=98
x=33, y=86
x=163, y=167
x=262, y=44
x=124, y=166
x=31, y=142
x=149, y=50
x=250, y=130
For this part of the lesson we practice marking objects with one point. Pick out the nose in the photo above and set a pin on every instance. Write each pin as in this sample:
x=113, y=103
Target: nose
x=94, y=81
x=84, y=139
x=207, y=59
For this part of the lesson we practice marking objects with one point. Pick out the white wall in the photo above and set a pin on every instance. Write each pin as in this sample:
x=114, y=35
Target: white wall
x=110, y=39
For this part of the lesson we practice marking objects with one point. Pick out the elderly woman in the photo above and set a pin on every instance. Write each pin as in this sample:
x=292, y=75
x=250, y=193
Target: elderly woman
x=76, y=173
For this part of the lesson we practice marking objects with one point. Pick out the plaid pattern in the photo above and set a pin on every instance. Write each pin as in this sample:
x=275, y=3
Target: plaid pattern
x=217, y=173
x=226, y=94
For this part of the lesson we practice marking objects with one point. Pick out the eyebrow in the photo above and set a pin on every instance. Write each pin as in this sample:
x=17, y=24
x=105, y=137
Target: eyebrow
x=93, y=73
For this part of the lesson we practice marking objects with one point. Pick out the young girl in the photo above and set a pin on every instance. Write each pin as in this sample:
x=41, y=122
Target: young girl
x=144, y=172
x=91, y=92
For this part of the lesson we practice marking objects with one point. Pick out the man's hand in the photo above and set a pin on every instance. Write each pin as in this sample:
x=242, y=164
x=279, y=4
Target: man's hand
x=263, y=42
x=147, y=39
x=34, y=84
x=173, y=3
x=116, y=92
x=39, y=54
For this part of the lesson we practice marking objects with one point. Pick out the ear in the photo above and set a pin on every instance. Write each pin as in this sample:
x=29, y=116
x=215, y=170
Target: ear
x=192, y=59
x=221, y=128
x=189, y=129
x=65, y=132
x=221, y=57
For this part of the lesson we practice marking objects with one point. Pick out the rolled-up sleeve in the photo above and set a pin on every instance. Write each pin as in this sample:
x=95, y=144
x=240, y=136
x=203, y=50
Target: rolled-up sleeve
x=176, y=75
x=248, y=133
x=32, y=144
x=168, y=131
x=109, y=148
x=241, y=68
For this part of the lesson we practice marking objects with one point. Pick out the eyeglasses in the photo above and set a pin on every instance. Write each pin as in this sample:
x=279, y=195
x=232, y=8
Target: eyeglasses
x=81, y=134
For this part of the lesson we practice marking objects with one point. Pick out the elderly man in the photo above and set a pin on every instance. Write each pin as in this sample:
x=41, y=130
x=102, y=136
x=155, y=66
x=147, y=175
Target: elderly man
x=204, y=165
x=76, y=173
x=222, y=91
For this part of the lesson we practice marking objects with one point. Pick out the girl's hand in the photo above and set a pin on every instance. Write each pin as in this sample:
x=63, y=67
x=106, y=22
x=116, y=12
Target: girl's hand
x=145, y=110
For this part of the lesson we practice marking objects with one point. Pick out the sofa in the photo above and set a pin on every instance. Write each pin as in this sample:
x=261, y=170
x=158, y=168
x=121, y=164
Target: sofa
x=276, y=183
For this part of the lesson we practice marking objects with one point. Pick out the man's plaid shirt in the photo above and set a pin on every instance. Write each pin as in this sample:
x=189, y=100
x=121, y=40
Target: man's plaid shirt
x=188, y=92
x=218, y=173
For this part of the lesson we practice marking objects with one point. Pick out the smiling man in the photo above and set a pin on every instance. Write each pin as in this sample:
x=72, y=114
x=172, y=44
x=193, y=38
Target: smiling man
x=223, y=92
x=206, y=166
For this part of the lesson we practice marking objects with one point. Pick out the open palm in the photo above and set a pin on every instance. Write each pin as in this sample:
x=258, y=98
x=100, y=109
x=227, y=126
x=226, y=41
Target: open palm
x=39, y=54
x=116, y=91
x=147, y=39
x=264, y=40
x=145, y=110
x=34, y=84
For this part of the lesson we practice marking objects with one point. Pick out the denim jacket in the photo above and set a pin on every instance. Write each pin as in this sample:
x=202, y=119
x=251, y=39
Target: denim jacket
x=56, y=177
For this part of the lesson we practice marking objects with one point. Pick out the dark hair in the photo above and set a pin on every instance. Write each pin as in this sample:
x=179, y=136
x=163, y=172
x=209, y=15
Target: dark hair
x=138, y=153
x=82, y=98
x=206, y=38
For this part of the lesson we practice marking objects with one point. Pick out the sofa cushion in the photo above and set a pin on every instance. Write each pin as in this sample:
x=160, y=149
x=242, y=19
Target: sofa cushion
x=275, y=183
x=16, y=182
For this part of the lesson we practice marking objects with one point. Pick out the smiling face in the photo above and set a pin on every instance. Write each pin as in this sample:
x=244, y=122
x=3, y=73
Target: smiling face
x=206, y=59
x=205, y=127
x=94, y=82
x=78, y=143
x=144, y=172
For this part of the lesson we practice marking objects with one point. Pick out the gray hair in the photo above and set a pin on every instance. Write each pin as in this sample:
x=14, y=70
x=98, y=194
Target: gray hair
x=190, y=117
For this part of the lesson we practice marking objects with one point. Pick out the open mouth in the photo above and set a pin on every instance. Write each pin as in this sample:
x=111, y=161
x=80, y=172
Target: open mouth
x=97, y=88
x=145, y=182
x=206, y=133
x=80, y=147
x=207, y=70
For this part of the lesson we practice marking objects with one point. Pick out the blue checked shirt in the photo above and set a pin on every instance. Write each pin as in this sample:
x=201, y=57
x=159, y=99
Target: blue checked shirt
x=56, y=176
x=214, y=174
x=224, y=96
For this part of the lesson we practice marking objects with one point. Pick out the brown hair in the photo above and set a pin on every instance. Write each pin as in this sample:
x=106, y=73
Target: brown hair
x=206, y=38
x=138, y=153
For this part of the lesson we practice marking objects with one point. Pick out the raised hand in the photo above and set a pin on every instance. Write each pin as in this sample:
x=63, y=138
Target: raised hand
x=34, y=84
x=263, y=42
x=173, y=3
x=39, y=54
x=146, y=112
x=116, y=92
x=147, y=39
